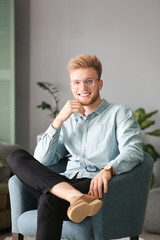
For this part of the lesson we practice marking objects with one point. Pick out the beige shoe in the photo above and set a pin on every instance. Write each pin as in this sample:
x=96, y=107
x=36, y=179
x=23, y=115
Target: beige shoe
x=83, y=207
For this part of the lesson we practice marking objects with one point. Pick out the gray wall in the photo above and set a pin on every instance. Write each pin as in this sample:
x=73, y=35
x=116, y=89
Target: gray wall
x=124, y=34
x=22, y=71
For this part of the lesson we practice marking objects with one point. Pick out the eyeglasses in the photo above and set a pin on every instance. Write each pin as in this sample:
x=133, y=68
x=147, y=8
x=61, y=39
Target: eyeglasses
x=89, y=83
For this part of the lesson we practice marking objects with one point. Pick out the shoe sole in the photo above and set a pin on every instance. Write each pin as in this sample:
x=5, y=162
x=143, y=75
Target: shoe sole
x=94, y=207
x=80, y=211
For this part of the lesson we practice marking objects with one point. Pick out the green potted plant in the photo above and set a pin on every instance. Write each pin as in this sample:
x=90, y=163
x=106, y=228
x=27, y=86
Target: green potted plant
x=53, y=90
x=144, y=121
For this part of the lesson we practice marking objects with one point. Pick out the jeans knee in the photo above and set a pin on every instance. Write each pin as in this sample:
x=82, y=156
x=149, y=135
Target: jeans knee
x=46, y=205
x=42, y=199
x=46, y=200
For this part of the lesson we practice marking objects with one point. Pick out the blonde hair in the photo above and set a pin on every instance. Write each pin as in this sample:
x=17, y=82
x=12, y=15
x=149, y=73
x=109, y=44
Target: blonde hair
x=85, y=61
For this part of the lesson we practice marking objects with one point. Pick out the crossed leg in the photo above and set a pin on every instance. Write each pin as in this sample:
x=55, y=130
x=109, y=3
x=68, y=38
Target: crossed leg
x=55, y=193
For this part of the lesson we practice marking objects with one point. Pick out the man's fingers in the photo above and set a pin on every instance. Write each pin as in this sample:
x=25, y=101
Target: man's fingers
x=99, y=182
x=78, y=109
x=70, y=107
x=100, y=189
x=94, y=190
x=75, y=106
x=91, y=192
x=105, y=186
x=96, y=187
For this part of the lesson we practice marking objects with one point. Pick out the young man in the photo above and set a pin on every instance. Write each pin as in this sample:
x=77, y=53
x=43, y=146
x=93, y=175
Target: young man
x=102, y=139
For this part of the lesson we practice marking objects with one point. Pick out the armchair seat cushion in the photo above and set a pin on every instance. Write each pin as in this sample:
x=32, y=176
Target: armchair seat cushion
x=27, y=224
x=80, y=230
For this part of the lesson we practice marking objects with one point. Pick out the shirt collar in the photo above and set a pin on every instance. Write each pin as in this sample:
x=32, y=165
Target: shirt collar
x=102, y=106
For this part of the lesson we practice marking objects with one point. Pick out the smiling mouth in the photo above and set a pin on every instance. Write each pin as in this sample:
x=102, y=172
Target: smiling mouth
x=84, y=94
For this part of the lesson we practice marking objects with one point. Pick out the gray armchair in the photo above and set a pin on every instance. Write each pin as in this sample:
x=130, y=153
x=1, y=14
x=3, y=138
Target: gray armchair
x=122, y=213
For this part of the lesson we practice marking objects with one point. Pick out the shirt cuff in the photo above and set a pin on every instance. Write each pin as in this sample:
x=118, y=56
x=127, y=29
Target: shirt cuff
x=52, y=131
x=118, y=167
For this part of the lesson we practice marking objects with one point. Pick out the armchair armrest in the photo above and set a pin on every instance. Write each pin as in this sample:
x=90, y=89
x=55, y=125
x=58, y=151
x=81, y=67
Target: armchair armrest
x=124, y=205
x=21, y=200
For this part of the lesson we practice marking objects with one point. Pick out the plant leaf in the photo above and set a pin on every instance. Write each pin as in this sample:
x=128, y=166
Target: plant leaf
x=3, y=163
x=148, y=115
x=44, y=105
x=154, y=133
x=139, y=115
x=53, y=90
x=145, y=124
x=152, y=180
x=50, y=87
x=151, y=150
x=42, y=85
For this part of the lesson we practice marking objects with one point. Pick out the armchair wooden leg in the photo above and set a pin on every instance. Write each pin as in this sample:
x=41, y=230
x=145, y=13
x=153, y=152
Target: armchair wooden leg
x=134, y=238
x=17, y=236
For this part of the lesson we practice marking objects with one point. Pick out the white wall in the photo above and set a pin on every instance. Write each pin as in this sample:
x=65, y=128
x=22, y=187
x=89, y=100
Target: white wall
x=124, y=34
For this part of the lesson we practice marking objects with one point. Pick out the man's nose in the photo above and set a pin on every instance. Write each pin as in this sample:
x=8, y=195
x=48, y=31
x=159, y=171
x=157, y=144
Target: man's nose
x=82, y=85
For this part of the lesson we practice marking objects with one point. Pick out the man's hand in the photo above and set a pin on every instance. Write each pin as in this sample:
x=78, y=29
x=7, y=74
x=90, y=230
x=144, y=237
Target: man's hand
x=100, y=180
x=70, y=107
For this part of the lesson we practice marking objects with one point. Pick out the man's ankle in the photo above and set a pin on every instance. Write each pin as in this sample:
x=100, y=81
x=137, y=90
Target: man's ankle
x=75, y=198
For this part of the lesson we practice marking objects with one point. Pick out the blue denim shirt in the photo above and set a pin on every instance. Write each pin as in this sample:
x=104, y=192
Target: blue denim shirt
x=110, y=134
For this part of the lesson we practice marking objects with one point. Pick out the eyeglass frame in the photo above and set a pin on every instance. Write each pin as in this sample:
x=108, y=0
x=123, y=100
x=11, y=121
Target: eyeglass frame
x=84, y=81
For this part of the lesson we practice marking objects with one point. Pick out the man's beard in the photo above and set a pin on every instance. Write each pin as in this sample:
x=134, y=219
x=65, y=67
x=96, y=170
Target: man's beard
x=90, y=101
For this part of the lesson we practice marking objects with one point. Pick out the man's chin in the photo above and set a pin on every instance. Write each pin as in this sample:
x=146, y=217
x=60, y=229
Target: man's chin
x=84, y=102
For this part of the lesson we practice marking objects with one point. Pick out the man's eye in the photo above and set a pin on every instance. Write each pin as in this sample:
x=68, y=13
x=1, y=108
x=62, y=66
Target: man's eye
x=76, y=82
x=89, y=81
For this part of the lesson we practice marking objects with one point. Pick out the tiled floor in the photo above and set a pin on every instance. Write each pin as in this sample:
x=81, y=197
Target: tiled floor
x=6, y=235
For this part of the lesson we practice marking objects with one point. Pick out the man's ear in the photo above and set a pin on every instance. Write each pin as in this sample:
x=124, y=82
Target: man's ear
x=100, y=84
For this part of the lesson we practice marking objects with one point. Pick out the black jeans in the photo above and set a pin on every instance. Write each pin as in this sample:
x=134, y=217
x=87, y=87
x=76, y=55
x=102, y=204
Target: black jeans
x=39, y=179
